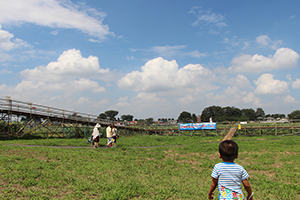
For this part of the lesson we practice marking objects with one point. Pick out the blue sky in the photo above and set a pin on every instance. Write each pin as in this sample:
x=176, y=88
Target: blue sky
x=151, y=58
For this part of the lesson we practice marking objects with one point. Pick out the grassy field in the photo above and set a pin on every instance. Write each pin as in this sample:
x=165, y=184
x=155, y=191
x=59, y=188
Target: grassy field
x=167, y=167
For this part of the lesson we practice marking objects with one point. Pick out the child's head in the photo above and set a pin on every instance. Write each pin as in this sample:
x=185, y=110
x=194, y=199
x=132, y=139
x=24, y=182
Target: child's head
x=228, y=150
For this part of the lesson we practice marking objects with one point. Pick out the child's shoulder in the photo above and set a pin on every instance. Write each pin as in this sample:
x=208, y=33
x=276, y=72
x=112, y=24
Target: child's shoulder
x=227, y=164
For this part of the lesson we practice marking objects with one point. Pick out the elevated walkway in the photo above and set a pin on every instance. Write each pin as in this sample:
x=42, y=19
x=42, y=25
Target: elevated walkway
x=19, y=118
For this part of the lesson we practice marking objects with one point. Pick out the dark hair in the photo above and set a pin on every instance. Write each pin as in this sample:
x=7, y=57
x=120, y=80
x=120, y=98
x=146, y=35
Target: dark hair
x=228, y=150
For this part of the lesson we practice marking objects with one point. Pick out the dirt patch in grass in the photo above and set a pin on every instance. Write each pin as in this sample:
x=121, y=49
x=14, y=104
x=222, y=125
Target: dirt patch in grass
x=267, y=173
x=277, y=165
x=172, y=153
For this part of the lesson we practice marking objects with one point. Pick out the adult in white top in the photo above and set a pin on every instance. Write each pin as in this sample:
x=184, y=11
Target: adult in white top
x=96, y=135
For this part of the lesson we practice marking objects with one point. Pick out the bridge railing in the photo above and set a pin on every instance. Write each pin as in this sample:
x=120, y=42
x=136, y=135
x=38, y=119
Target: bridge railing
x=11, y=108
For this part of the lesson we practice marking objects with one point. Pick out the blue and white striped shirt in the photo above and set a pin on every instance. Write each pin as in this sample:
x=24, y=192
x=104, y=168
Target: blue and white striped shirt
x=230, y=175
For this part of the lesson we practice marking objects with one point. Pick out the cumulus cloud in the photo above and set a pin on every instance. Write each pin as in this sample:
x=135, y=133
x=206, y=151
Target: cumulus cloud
x=71, y=73
x=289, y=99
x=70, y=64
x=265, y=41
x=68, y=82
x=122, y=104
x=284, y=58
x=55, y=14
x=296, y=84
x=187, y=99
x=161, y=75
x=266, y=84
x=234, y=96
x=8, y=42
x=240, y=81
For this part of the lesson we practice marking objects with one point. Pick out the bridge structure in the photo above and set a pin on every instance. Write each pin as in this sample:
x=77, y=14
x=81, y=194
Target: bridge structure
x=20, y=118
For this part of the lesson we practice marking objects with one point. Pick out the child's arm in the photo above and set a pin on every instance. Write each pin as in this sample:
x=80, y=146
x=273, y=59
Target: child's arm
x=248, y=189
x=212, y=188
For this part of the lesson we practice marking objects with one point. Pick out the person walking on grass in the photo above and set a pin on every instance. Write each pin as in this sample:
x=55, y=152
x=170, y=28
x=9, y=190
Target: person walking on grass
x=114, y=136
x=109, y=135
x=96, y=135
x=228, y=175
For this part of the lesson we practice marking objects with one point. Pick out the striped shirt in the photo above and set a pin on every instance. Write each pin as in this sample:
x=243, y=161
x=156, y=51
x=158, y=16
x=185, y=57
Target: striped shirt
x=230, y=175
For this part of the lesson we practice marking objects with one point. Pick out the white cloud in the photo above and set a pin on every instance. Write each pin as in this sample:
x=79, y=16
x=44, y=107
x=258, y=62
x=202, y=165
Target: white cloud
x=69, y=64
x=83, y=101
x=296, y=84
x=234, y=41
x=240, y=81
x=246, y=44
x=55, y=32
x=167, y=50
x=284, y=58
x=123, y=98
x=171, y=51
x=289, y=99
x=5, y=57
x=187, y=99
x=234, y=96
x=5, y=71
x=160, y=75
x=148, y=99
x=122, y=104
x=8, y=42
x=265, y=84
x=60, y=81
x=84, y=84
x=207, y=18
x=3, y=87
x=196, y=54
x=265, y=41
x=55, y=14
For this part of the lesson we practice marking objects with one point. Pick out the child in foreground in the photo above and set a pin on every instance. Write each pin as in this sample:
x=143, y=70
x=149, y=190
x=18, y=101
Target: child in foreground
x=228, y=175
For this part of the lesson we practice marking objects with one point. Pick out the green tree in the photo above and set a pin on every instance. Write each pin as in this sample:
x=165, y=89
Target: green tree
x=275, y=116
x=232, y=113
x=294, y=115
x=260, y=113
x=194, y=117
x=102, y=116
x=244, y=118
x=185, y=117
x=111, y=114
x=249, y=113
x=140, y=122
x=215, y=111
x=149, y=121
x=127, y=117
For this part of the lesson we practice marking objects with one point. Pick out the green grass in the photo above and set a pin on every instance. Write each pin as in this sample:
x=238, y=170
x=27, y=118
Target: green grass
x=173, y=167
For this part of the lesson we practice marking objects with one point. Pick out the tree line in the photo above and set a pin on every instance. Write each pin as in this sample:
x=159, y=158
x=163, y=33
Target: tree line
x=218, y=113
